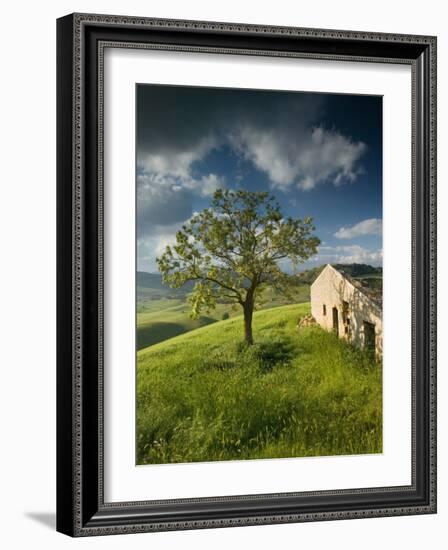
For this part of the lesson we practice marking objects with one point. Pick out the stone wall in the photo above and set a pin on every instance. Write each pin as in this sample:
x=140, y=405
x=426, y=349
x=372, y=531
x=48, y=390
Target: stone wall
x=336, y=301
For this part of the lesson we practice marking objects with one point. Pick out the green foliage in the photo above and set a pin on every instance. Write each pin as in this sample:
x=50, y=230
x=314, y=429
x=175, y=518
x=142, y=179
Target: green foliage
x=310, y=275
x=203, y=396
x=372, y=282
x=232, y=252
x=225, y=316
x=359, y=270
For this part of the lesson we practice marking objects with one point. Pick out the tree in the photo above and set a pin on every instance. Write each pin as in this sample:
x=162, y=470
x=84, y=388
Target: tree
x=232, y=251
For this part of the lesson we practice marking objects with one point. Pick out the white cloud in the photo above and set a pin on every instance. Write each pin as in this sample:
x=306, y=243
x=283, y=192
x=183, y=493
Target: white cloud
x=176, y=162
x=207, y=185
x=372, y=226
x=305, y=157
x=160, y=201
x=165, y=199
x=151, y=247
x=166, y=185
x=291, y=154
x=283, y=139
x=280, y=139
x=353, y=254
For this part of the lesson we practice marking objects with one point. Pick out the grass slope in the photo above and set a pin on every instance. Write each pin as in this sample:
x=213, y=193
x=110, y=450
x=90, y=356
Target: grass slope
x=160, y=324
x=202, y=396
x=163, y=318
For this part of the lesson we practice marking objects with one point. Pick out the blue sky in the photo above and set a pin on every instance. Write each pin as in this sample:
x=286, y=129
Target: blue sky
x=319, y=154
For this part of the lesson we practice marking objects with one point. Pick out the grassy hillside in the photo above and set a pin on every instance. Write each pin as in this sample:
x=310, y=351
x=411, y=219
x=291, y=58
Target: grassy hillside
x=163, y=312
x=203, y=396
x=161, y=324
x=159, y=319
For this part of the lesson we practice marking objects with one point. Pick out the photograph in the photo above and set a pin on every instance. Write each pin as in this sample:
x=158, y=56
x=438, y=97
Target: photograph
x=259, y=274
x=246, y=273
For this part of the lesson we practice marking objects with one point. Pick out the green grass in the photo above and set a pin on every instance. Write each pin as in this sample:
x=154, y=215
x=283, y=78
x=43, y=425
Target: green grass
x=157, y=325
x=157, y=304
x=161, y=318
x=204, y=396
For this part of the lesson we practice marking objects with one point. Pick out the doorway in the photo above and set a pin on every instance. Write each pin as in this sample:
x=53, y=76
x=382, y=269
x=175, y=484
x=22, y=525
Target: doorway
x=369, y=337
x=335, y=321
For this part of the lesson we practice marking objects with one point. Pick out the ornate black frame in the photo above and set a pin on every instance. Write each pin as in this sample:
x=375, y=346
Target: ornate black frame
x=81, y=39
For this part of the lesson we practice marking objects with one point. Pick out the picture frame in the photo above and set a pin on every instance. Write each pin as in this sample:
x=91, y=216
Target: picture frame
x=81, y=506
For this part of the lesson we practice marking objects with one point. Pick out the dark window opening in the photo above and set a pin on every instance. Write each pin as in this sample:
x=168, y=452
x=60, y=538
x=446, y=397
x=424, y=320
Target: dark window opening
x=336, y=321
x=324, y=309
x=369, y=337
x=345, y=317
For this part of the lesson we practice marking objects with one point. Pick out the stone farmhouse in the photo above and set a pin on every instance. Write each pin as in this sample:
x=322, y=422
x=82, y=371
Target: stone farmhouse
x=343, y=305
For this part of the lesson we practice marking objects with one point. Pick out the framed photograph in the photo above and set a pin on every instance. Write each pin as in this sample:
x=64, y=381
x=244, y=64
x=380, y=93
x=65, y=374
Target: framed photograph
x=246, y=274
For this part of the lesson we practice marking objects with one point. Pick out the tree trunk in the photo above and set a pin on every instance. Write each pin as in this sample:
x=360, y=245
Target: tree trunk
x=248, y=312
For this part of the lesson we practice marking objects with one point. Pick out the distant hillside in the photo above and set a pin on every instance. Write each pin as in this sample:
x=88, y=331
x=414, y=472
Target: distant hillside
x=150, y=286
x=150, y=280
x=164, y=312
x=357, y=271
x=154, y=280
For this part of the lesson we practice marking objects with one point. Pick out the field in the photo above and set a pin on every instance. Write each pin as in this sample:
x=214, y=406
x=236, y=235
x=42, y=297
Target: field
x=163, y=313
x=204, y=396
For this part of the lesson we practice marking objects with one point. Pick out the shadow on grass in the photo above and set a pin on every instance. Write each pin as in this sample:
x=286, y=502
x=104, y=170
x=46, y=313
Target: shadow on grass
x=267, y=355
x=273, y=354
x=158, y=332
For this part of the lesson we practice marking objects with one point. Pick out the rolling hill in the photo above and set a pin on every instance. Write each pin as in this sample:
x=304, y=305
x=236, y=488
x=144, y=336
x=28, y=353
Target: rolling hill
x=204, y=396
x=163, y=312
